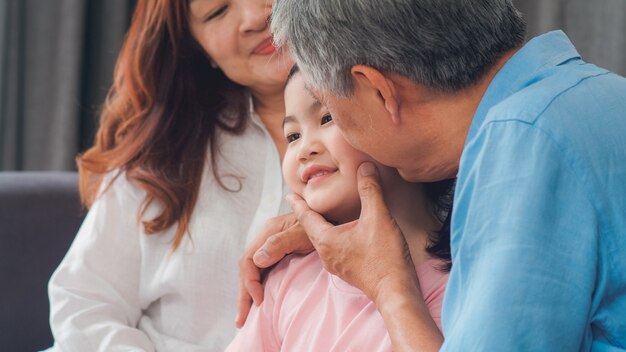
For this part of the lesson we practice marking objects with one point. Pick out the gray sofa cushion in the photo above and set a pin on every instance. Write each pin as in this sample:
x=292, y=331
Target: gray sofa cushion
x=40, y=213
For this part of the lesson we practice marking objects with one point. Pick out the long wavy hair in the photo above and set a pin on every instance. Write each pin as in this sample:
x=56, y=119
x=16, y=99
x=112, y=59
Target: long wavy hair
x=161, y=116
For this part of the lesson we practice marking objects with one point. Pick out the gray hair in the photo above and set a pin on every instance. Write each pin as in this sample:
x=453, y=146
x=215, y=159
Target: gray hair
x=445, y=45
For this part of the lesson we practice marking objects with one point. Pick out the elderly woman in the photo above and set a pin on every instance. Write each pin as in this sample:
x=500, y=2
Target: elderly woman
x=186, y=165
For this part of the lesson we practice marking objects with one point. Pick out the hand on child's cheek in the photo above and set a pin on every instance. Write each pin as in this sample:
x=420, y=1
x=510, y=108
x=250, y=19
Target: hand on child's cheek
x=365, y=252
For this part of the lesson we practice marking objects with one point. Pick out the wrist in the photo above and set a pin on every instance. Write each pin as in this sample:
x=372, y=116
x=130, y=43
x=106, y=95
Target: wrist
x=406, y=316
x=401, y=289
x=397, y=280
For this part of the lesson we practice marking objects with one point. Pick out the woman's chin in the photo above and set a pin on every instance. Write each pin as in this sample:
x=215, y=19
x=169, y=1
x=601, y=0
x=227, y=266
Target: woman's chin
x=274, y=67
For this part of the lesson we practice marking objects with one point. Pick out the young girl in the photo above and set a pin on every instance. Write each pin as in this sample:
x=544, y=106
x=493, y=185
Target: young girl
x=306, y=308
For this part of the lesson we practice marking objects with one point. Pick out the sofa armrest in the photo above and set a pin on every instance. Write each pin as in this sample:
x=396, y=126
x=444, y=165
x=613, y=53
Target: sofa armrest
x=40, y=213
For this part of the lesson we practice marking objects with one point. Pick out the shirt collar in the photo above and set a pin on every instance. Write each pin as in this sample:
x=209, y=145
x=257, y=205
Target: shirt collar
x=254, y=117
x=547, y=50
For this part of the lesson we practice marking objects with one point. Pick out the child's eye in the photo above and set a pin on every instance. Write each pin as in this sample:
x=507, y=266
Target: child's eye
x=292, y=137
x=326, y=119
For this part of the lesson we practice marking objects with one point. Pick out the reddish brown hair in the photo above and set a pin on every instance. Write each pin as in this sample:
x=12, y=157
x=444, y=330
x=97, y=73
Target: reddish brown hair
x=161, y=116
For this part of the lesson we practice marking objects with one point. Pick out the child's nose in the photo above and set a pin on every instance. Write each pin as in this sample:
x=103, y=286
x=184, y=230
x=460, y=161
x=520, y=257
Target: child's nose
x=309, y=148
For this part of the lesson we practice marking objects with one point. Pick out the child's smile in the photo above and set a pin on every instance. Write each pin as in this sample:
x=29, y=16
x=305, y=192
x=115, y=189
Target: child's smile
x=316, y=174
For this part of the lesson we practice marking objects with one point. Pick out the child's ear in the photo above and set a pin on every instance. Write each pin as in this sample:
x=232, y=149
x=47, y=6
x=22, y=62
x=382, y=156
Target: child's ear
x=385, y=87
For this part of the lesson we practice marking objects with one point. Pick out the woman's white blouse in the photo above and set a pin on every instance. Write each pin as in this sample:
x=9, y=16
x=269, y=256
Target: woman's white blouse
x=119, y=289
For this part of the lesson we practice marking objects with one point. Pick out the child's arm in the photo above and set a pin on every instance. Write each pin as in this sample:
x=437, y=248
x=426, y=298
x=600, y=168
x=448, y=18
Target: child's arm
x=94, y=293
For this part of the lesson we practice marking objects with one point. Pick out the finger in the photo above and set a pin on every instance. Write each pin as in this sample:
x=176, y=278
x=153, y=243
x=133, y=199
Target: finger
x=255, y=288
x=244, y=302
x=370, y=191
x=311, y=221
x=250, y=287
x=249, y=278
x=249, y=292
x=276, y=247
x=250, y=275
x=271, y=227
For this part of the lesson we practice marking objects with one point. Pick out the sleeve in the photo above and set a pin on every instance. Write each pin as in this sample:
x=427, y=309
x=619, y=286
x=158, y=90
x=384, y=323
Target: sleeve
x=524, y=243
x=94, y=293
x=260, y=331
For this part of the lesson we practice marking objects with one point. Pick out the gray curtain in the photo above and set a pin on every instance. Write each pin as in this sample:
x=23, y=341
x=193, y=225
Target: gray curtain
x=57, y=56
x=56, y=64
x=596, y=27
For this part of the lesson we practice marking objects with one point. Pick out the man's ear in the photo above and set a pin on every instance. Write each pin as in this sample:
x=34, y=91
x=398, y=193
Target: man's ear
x=372, y=78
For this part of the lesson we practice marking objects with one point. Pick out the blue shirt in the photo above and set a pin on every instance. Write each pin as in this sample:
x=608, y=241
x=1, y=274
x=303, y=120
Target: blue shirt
x=539, y=221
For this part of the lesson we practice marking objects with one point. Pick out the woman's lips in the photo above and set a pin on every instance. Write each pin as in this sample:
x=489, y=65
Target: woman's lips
x=265, y=48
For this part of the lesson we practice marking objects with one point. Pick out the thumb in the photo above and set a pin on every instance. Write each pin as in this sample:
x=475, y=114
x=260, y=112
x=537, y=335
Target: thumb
x=313, y=223
x=370, y=191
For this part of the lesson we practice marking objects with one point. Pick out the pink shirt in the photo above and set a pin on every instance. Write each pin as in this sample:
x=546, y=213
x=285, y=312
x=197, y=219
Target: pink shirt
x=308, y=309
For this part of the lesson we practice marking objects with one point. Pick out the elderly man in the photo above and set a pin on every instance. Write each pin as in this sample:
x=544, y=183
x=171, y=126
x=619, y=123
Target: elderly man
x=536, y=138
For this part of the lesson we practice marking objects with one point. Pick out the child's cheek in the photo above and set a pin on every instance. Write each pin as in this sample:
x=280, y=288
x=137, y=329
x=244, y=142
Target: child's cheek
x=290, y=173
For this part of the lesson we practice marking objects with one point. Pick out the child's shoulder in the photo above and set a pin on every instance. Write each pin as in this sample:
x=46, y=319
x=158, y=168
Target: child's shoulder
x=289, y=282
x=295, y=270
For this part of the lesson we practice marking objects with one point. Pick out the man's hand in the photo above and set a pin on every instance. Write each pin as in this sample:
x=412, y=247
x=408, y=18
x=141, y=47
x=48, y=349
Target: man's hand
x=369, y=253
x=280, y=236
x=372, y=254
